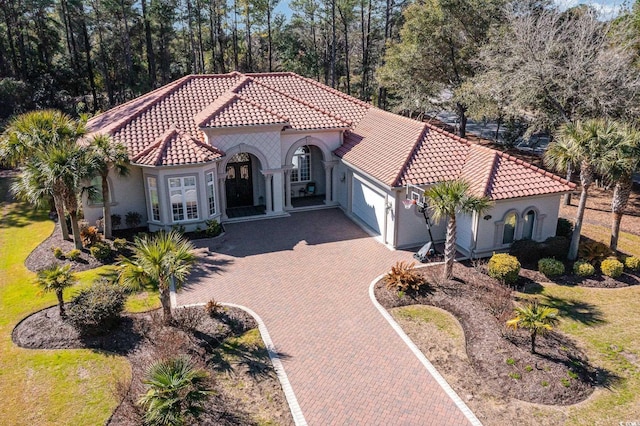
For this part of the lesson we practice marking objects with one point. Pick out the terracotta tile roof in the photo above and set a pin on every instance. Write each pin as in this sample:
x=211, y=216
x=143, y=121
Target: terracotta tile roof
x=175, y=148
x=163, y=127
x=381, y=144
x=423, y=154
x=233, y=110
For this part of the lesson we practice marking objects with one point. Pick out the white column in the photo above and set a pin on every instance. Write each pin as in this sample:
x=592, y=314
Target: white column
x=278, y=187
x=267, y=184
x=327, y=182
x=287, y=189
x=222, y=196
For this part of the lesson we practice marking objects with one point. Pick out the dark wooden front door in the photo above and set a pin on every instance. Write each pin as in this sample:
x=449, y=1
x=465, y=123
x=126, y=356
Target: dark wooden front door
x=239, y=183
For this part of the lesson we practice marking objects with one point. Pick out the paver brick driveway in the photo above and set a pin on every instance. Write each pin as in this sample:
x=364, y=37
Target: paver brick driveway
x=307, y=276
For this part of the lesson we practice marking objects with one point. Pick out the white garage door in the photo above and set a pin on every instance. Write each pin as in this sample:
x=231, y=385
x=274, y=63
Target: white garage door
x=368, y=205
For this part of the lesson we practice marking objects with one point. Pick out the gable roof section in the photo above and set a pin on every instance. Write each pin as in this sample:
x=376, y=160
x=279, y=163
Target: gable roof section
x=233, y=110
x=175, y=148
x=381, y=144
x=398, y=150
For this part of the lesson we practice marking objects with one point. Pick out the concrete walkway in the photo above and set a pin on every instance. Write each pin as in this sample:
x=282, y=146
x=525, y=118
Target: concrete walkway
x=307, y=276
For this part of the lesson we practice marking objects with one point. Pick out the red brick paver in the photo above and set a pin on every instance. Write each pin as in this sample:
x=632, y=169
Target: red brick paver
x=307, y=276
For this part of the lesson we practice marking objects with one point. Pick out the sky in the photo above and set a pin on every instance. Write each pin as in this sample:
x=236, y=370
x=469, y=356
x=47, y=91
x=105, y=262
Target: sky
x=608, y=8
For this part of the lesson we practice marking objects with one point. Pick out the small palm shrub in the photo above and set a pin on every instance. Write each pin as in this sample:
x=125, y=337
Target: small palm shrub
x=176, y=392
x=57, y=252
x=536, y=318
x=212, y=308
x=90, y=236
x=73, y=254
x=116, y=221
x=593, y=252
x=403, y=277
x=101, y=251
x=564, y=228
x=54, y=279
x=504, y=267
x=583, y=269
x=550, y=267
x=612, y=267
x=133, y=219
x=632, y=263
x=97, y=309
x=120, y=244
x=555, y=247
x=214, y=228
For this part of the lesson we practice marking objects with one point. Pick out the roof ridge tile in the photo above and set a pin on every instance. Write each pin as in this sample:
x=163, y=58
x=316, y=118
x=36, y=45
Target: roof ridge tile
x=404, y=166
x=333, y=91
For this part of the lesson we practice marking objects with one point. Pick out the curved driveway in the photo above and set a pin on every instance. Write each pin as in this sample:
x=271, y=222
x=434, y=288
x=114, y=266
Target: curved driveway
x=307, y=276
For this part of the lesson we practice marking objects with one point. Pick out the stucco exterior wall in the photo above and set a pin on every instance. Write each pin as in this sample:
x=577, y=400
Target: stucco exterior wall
x=489, y=236
x=412, y=229
x=127, y=194
x=264, y=141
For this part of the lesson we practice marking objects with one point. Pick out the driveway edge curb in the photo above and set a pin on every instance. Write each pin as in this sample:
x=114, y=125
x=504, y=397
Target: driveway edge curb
x=422, y=358
x=296, y=411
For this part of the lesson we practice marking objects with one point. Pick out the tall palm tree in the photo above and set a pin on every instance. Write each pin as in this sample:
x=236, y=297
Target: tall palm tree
x=158, y=261
x=446, y=199
x=536, y=318
x=56, y=278
x=176, y=392
x=107, y=155
x=621, y=161
x=581, y=144
x=32, y=135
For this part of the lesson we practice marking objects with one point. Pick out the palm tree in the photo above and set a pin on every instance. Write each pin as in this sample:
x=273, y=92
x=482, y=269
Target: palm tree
x=158, y=261
x=621, y=161
x=32, y=135
x=582, y=144
x=56, y=278
x=176, y=392
x=446, y=199
x=106, y=156
x=536, y=318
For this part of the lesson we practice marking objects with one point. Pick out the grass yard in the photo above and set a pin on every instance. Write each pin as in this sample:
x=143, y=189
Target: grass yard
x=62, y=387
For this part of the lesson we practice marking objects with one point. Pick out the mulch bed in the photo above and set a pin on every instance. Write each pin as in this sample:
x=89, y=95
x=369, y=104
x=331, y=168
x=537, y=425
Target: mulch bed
x=42, y=256
x=143, y=339
x=559, y=373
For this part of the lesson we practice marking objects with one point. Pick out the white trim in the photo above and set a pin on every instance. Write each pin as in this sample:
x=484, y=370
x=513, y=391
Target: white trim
x=294, y=406
x=423, y=359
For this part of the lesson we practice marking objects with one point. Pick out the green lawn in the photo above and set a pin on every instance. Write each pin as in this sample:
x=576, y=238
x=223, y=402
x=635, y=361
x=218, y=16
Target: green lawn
x=41, y=387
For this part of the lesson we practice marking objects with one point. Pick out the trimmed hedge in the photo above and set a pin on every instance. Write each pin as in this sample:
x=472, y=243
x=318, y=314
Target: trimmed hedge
x=504, y=267
x=101, y=251
x=96, y=310
x=632, y=263
x=550, y=267
x=612, y=267
x=583, y=269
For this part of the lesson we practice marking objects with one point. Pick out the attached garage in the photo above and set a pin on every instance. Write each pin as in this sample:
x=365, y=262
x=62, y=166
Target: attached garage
x=368, y=205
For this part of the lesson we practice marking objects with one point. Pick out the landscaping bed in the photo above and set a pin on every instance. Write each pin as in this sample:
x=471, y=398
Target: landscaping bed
x=228, y=346
x=559, y=373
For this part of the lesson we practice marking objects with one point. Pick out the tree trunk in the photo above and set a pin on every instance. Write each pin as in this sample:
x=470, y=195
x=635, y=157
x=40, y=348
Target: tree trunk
x=345, y=25
x=333, y=43
x=621, y=194
x=90, y=74
x=450, y=248
x=586, y=178
x=269, y=36
x=533, y=342
x=77, y=241
x=63, y=314
x=106, y=207
x=57, y=201
x=151, y=59
x=234, y=34
x=567, y=196
x=462, y=115
x=165, y=299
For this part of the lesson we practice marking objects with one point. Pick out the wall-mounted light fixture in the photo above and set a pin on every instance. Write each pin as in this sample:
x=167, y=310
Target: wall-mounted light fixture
x=343, y=177
x=487, y=217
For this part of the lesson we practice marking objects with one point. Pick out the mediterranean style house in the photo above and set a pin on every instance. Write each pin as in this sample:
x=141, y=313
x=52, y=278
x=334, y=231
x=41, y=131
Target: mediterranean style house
x=239, y=147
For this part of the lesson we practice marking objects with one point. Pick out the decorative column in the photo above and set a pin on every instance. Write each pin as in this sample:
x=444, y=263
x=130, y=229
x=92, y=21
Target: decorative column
x=328, y=169
x=278, y=187
x=267, y=184
x=287, y=189
x=222, y=196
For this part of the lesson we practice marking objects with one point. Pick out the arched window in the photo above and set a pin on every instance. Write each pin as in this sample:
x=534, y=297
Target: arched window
x=509, y=232
x=528, y=225
x=301, y=161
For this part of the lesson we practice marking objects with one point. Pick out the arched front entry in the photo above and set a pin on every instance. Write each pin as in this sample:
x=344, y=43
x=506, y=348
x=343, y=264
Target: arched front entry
x=239, y=181
x=308, y=169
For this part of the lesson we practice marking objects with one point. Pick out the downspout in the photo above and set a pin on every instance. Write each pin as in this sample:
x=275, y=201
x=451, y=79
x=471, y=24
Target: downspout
x=476, y=224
